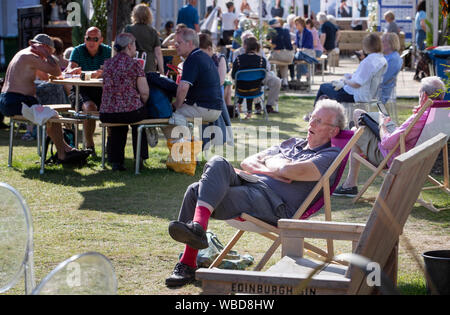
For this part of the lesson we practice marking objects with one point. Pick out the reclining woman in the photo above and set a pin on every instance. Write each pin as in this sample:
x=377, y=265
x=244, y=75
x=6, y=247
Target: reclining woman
x=249, y=60
x=125, y=91
x=356, y=87
x=375, y=150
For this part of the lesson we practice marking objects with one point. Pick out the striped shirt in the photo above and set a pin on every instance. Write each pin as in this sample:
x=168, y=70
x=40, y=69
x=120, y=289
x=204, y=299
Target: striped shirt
x=81, y=56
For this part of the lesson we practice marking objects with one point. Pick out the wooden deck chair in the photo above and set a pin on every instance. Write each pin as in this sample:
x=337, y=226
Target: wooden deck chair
x=438, y=120
x=377, y=240
x=400, y=146
x=345, y=140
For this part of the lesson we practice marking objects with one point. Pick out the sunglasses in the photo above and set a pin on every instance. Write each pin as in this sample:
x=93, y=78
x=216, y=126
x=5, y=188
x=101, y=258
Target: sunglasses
x=92, y=39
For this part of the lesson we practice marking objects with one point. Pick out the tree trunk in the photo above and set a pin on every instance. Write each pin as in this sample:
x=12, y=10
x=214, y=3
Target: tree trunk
x=124, y=8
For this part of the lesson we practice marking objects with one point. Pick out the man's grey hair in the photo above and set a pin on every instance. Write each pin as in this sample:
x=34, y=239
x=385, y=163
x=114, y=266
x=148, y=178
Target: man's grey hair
x=321, y=17
x=434, y=87
x=331, y=18
x=189, y=35
x=340, y=119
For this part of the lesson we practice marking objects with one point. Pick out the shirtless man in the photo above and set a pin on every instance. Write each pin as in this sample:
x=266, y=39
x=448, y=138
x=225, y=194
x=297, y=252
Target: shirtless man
x=89, y=56
x=19, y=88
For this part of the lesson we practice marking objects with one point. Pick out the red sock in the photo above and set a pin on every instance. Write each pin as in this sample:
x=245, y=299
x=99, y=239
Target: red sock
x=189, y=257
x=201, y=216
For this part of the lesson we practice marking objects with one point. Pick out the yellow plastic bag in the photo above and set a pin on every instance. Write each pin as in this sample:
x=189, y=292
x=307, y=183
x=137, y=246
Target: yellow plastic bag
x=182, y=155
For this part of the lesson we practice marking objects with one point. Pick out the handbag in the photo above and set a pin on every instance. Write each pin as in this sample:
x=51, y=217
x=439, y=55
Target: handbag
x=366, y=120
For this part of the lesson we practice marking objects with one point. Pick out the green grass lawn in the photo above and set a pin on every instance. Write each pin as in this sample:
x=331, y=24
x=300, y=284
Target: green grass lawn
x=125, y=216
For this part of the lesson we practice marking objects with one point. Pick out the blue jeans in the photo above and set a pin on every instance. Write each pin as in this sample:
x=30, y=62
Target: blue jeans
x=420, y=39
x=340, y=95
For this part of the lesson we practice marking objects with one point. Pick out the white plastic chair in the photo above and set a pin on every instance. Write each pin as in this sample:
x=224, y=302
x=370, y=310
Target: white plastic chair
x=90, y=273
x=367, y=106
x=16, y=240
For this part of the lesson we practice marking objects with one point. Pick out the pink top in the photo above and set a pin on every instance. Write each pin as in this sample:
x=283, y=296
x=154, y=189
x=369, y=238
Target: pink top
x=120, y=92
x=390, y=140
x=316, y=39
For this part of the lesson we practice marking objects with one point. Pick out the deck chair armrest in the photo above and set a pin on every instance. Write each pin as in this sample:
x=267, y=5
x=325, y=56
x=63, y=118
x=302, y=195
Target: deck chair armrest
x=318, y=229
x=260, y=223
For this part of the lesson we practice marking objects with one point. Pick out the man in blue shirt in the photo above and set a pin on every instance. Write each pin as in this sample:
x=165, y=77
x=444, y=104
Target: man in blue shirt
x=275, y=183
x=188, y=15
x=199, y=93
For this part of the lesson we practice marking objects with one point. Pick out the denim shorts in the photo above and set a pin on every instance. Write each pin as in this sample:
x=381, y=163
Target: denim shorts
x=11, y=103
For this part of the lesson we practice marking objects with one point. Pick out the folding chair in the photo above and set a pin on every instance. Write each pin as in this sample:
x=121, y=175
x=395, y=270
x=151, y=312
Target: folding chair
x=89, y=273
x=257, y=92
x=16, y=241
x=377, y=241
x=438, y=120
x=374, y=87
x=401, y=147
x=345, y=140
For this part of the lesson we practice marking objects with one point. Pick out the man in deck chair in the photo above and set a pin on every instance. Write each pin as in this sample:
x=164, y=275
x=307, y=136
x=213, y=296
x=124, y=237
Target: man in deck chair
x=375, y=150
x=273, y=186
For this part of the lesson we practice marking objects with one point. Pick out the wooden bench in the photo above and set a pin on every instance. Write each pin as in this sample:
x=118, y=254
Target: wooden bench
x=351, y=41
x=41, y=135
x=374, y=242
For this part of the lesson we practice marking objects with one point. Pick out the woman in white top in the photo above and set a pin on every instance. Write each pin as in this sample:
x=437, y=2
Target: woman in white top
x=358, y=87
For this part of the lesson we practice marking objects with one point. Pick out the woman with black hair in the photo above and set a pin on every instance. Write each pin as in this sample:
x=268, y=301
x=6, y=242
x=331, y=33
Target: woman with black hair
x=421, y=27
x=249, y=60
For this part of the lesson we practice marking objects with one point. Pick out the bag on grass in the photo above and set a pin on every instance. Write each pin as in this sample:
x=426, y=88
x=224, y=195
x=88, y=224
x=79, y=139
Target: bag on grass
x=69, y=138
x=182, y=155
x=232, y=260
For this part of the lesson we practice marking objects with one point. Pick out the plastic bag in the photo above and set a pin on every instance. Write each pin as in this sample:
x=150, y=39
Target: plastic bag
x=233, y=260
x=37, y=113
x=182, y=155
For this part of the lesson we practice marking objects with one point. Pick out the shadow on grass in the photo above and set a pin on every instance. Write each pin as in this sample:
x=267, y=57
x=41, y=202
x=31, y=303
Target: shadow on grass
x=17, y=141
x=156, y=191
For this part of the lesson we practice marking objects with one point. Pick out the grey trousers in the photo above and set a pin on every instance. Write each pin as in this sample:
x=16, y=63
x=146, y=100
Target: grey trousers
x=274, y=84
x=230, y=196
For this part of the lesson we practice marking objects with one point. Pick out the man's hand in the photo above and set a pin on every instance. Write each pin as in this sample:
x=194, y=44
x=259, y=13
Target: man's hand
x=266, y=165
x=97, y=74
x=39, y=50
x=182, y=90
x=274, y=164
x=76, y=70
x=255, y=165
x=337, y=84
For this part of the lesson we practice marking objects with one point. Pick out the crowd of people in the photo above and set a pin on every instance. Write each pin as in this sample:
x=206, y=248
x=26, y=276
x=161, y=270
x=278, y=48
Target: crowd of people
x=283, y=175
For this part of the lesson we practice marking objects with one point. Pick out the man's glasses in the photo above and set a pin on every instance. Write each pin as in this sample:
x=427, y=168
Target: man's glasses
x=319, y=122
x=92, y=39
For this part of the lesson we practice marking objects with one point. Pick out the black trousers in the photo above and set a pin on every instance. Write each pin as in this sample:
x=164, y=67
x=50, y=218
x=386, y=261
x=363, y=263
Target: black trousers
x=117, y=138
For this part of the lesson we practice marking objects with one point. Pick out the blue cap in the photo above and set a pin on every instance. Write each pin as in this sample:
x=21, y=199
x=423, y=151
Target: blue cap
x=273, y=22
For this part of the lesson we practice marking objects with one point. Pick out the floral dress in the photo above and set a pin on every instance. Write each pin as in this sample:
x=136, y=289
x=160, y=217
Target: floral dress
x=120, y=94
